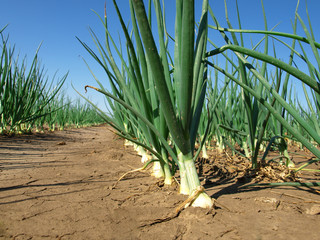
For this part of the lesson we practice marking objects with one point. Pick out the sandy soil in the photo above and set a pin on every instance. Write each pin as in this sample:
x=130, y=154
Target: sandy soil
x=58, y=186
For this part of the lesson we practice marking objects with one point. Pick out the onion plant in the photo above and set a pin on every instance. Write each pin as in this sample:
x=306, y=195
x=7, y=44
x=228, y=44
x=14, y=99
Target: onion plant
x=24, y=94
x=157, y=99
x=189, y=82
x=161, y=102
x=64, y=112
x=269, y=96
x=133, y=87
x=29, y=100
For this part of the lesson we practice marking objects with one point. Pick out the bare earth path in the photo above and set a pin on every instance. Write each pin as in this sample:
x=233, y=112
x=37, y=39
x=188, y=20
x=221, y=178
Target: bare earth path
x=58, y=186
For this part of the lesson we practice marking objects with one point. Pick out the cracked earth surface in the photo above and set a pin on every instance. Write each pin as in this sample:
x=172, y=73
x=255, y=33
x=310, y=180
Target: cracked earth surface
x=58, y=186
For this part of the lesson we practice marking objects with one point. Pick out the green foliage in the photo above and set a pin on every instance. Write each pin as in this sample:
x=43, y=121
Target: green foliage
x=29, y=100
x=264, y=81
x=168, y=108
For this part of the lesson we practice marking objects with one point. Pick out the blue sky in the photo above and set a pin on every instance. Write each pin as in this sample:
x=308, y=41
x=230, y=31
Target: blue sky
x=57, y=23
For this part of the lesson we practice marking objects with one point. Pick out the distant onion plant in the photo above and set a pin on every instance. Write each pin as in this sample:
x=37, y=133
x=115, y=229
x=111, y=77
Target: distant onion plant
x=24, y=93
x=67, y=113
x=29, y=100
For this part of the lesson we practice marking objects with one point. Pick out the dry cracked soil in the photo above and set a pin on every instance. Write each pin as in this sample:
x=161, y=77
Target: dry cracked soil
x=59, y=186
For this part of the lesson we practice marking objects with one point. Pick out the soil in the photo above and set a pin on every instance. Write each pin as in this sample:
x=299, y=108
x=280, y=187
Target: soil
x=59, y=186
